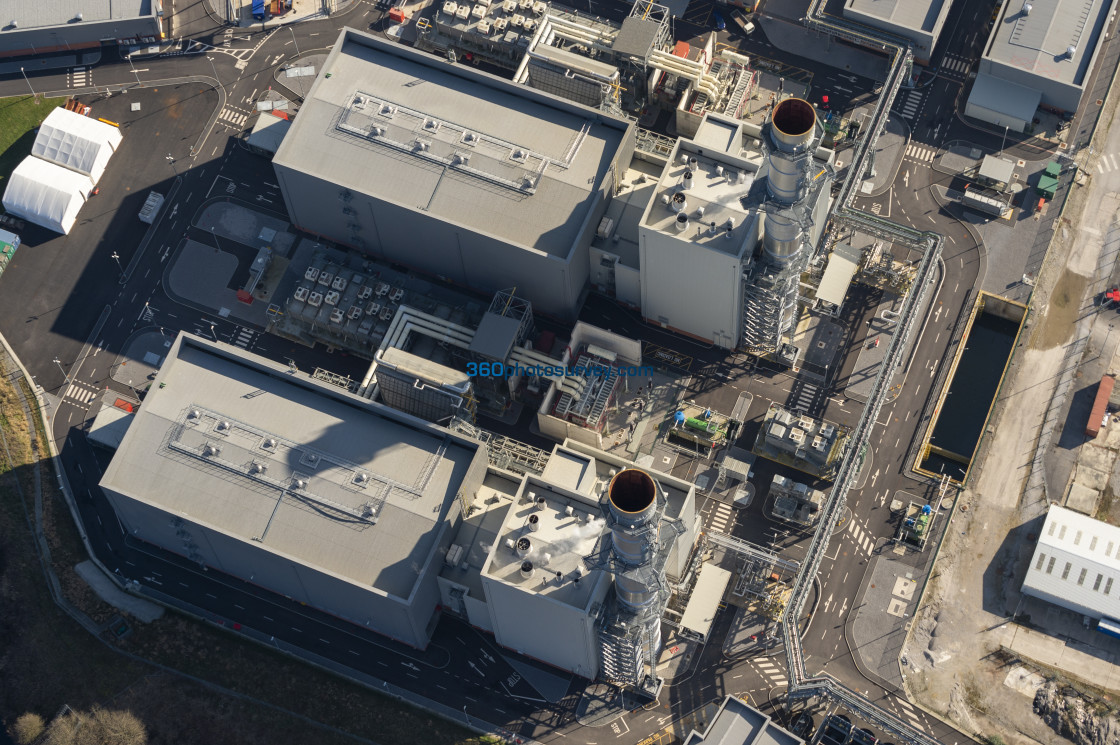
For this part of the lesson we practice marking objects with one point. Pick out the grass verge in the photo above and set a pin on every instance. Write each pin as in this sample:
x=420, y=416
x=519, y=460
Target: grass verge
x=19, y=116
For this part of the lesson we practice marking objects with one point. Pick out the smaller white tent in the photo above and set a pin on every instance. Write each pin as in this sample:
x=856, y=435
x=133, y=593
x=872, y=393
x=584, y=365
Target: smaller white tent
x=76, y=142
x=46, y=194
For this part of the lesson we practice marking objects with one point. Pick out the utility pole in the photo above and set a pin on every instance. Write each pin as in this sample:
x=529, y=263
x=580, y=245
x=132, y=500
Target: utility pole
x=27, y=81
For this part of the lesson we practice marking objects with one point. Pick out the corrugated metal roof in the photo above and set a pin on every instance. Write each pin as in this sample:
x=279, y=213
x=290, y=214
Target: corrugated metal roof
x=737, y=723
x=842, y=265
x=918, y=15
x=36, y=13
x=1002, y=96
x=1038, y=41
x=1077, y=562
x=566, y=149
x=350, y=457
x=700, y=612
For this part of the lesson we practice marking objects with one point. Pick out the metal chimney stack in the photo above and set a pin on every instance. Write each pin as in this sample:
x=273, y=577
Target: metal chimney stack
x=792, y=132
x=634, y=512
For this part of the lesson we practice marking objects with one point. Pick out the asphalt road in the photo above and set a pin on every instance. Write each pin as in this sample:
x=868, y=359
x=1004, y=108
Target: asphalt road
x=55, y=291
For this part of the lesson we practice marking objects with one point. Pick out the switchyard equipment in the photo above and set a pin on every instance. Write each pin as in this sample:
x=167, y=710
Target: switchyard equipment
x=795, y=502
x=699, y=425
x=915, y=525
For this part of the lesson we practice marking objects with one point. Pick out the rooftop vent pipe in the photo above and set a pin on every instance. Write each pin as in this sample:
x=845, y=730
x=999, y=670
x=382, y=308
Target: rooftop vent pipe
x=523, y=547
x=534, y=523
x=527, y=570
x=682, y=222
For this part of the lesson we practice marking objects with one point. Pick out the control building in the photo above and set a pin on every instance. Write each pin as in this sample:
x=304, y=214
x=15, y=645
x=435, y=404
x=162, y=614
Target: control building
x=920, y=21
x=29, y=27
x=1039, y=54
x=452, y=171
x=294, y=485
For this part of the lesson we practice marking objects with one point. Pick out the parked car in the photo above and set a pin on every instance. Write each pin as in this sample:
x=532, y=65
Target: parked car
x=717, y=21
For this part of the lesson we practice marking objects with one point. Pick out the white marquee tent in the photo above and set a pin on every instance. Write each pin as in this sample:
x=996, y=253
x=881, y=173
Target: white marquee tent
x=46, y=194
x=76, y=142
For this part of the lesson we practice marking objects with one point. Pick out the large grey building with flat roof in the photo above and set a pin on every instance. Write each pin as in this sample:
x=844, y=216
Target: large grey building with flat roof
x=453, y=171
x=920, y=21
x=1040, y=54
x=36, y=27
x=296, y=486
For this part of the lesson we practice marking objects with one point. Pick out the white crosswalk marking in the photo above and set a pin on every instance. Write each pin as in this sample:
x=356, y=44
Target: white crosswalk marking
x=80, y=393
x=232, y=116
x=919, y=152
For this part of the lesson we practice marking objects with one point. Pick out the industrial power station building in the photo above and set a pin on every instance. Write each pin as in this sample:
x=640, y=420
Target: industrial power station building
x=919, y=21
x=458, y=173
x=29, y=27
x=379, y=518
x=1039, y=53
x=414, y=159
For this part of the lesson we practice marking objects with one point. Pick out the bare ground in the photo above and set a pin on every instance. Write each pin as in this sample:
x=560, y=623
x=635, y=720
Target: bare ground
x=952, y=667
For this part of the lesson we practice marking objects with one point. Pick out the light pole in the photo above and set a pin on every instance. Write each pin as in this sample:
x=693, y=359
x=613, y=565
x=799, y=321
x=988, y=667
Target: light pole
x=294, y=39
x=213, y=333
x=217, y=243
x=65, y=377
x=117, y=258
x=27, y=81
x=171, y=160
x=133, y=66
x=1001, y=145
x=215, y=69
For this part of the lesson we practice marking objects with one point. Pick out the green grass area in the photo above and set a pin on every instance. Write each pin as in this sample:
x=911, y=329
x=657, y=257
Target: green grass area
x=19, y=116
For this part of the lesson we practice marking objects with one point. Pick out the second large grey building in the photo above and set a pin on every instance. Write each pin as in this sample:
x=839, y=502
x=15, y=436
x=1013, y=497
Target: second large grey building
x=1040, y=54
x=920, y=21
x=452, y=171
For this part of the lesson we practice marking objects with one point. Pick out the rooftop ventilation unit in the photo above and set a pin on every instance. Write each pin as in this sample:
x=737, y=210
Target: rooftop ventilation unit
x=223, y=426
x=332, y=297
x=686, y=180
x=1071, y=51
x=325, y=278
x=387, y=110
x=523, y=547
x=541, y=502
x=677, y=203
x=315, y=299
x=195, y=414
x=300, y=294
x=527, y=571
x=361, y=478
x=257, y=468
x=339, y=283
x=337, y=315
x=432, y=125
x=1026, y=9
x=534, y=523
x=311, y=274
x=269, y=443
x=682, y=222
x=210, y=449
x=299, y=483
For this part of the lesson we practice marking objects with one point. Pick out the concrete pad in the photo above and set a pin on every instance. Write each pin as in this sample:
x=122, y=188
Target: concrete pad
x=1023, y=681
x=1098, y=667
x=897, y=607
x=1090, y=477
x=1111, y=438
x=904, y=588
x=1082, y=498
x=138, y=608
x=1096, y=456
